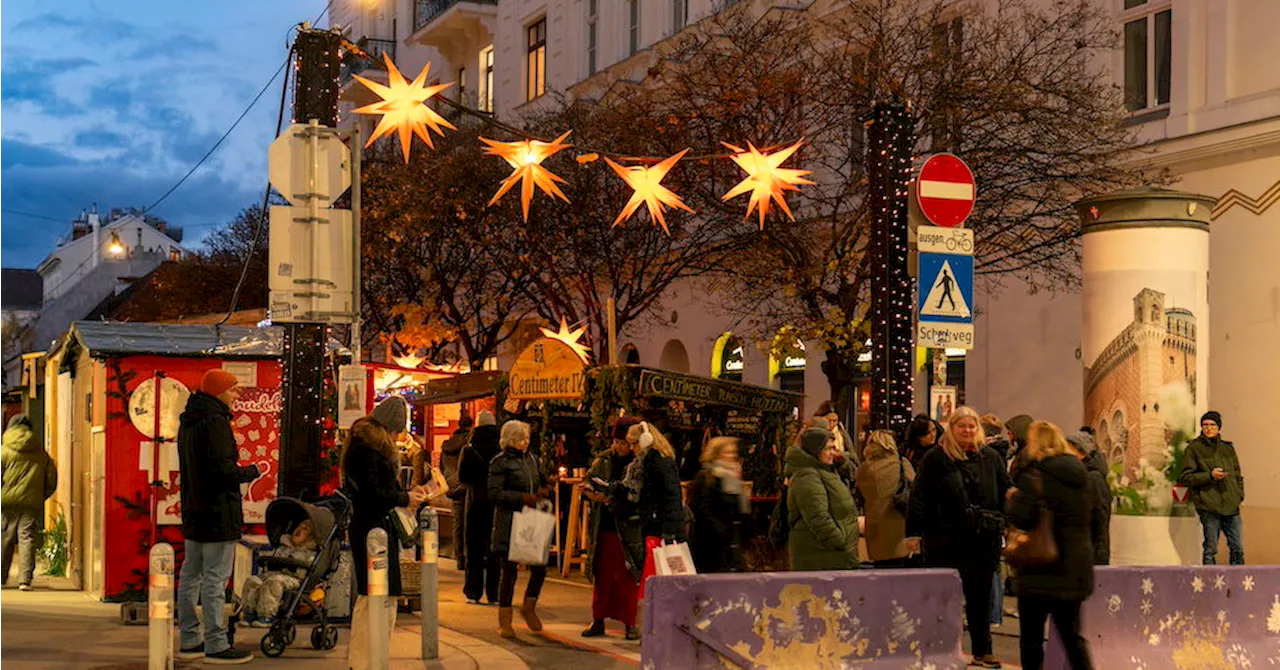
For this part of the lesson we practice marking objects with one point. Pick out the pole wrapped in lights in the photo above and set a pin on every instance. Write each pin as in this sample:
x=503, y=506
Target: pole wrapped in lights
x=890, y=138
x=526, y=157
x=646, y=181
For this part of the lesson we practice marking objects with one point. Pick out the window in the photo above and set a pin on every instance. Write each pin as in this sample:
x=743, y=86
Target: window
x=679, y=15
x=485, y=102
x=536, y=60
x=593, y=13
x=462, y=85
x=1148, y=51
x=633, y=26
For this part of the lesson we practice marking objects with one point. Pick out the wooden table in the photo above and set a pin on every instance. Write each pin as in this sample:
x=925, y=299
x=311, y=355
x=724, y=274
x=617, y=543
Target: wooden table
x=579, y=534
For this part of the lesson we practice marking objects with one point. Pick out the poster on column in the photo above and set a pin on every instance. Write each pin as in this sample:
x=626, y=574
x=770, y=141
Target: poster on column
x=255, y=421
x=1144, y=338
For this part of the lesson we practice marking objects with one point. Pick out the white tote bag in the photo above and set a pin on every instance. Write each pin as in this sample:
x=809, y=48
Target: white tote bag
x=531, y=533
x=673, y=559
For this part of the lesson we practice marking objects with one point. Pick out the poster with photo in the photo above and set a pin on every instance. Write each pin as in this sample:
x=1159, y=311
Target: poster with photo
x=351, y=395
x=942, y=402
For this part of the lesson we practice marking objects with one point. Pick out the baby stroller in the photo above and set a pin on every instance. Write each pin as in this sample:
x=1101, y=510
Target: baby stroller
x=329, y=517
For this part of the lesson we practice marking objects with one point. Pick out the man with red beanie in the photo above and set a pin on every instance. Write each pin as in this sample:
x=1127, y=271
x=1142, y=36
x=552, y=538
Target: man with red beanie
x=212, y=518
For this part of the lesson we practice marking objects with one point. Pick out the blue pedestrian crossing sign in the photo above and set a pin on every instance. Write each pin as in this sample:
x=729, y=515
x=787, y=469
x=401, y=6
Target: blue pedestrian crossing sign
x=944, y=303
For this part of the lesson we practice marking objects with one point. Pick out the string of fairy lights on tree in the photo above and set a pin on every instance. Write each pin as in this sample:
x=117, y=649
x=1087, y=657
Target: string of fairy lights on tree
x=889, y=149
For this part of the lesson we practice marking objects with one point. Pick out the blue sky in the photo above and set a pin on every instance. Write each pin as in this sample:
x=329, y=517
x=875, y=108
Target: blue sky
x=112, y=102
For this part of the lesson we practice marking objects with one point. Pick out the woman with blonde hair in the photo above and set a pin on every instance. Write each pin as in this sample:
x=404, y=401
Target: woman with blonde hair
x=884, y=474
x=515, y=482
x=720, y=505
x=653, y=483
x=1053, y=478
x=956, y=517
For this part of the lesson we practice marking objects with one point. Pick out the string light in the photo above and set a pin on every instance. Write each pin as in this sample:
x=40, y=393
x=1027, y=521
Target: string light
x=649, y=191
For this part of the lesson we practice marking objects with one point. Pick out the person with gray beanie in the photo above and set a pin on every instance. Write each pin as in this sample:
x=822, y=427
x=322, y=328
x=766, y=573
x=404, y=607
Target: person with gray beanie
x=1211, y=469
x=820, y=509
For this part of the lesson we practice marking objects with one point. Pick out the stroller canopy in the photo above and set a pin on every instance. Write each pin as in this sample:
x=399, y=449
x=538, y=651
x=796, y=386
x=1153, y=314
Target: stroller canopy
x=284, y=515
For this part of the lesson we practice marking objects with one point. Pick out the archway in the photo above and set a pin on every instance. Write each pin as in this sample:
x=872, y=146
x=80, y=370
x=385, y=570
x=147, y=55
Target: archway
x=674, y=357
x=728, y=359
x=629, y=355
x=787, y=364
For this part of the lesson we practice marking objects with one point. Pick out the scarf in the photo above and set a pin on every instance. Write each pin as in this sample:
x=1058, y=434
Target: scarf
x=633, y=478
x=730, y=478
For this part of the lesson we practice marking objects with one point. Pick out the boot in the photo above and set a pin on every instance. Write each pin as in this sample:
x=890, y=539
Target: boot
x=530, y=614
x=595, y=630
x=504, y=623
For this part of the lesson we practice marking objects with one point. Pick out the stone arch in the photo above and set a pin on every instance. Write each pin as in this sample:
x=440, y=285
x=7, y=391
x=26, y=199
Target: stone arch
x=674, y=357
x=629, y=354
x=728, y=358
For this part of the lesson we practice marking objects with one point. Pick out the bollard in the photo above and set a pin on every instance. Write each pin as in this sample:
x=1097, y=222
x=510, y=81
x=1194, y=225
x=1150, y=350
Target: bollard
x=379, y=636
x=160, y=608
x=429, y=541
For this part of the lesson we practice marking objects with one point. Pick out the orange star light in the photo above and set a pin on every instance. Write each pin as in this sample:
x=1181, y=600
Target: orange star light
x=526, y=157
x=649, y=191
x=570, y=338
x=403, y=107
x=765, y=179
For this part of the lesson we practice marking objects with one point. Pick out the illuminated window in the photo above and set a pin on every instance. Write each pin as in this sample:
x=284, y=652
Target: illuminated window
x=462, y=85
x=486, y=79
x=536, y=60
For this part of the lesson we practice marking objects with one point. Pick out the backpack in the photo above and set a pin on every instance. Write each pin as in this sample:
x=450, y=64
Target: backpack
x=780, y=522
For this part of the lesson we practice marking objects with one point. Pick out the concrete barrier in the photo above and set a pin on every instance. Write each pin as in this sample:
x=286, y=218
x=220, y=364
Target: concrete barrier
x=1180, y=617
x=814, y=620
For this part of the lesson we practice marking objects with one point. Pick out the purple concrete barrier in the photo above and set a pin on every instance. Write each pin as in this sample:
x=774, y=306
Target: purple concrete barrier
x=814, y=620
x=1181, y=617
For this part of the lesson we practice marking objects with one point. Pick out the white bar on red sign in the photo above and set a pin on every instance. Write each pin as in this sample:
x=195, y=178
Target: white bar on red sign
x=946, y=190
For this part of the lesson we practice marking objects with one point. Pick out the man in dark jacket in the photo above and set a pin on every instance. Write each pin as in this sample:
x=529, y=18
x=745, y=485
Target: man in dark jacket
x=212, y=517
x=1083, y=448
x=450, y=466
x=1211, y=470
x=473, y=473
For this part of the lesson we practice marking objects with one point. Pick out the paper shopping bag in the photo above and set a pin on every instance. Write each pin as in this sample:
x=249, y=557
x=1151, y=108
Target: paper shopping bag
x=673, y=559
x=531, y=533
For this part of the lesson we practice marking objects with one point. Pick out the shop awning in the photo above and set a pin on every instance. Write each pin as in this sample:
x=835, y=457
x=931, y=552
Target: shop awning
x=461, y=388
x=114, y=338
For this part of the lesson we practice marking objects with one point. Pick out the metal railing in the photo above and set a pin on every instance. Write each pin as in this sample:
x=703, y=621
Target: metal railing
x=374, y=48
x=425, y=11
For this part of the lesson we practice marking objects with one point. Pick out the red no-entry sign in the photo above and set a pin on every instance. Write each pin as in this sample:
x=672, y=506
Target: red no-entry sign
x=945, y=190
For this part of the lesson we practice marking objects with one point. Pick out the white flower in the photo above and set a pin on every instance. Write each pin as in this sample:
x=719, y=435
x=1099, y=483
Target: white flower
x=1178, y=407
x=1124, y=481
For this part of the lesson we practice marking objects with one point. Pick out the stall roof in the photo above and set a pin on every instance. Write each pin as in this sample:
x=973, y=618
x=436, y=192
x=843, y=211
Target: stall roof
x=113, y=338
x=455, y=389
x=659, y=383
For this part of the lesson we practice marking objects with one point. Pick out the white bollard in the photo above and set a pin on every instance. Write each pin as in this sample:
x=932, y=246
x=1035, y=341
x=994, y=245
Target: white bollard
x=429, y=541
x=160, y=608
x=379, y=636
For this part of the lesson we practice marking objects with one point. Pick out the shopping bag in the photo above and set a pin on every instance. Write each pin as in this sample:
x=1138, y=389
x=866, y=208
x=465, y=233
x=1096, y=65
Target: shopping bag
x=531, y=533
x=673, y=559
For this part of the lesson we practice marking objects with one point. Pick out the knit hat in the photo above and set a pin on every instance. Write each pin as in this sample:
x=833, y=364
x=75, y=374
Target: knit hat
x=1213, y=416
x=621, y=426
x=814, y=440
x=1082, y=441
x=1019, y=425
x=393, y=414
x=465, y=422
x=485, y=418
x=217, y=381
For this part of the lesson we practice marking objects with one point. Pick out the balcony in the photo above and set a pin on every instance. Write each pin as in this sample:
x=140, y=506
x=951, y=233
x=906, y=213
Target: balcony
x=454, y=24
x=368, y=63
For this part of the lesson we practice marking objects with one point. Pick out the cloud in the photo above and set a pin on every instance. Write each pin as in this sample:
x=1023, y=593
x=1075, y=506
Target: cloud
x=15, y=152
x=99, y=28
x=179, y=46
x=99, y=137
x=27, y=80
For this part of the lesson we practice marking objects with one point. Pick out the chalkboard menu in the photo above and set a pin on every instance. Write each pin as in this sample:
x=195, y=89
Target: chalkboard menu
x=742, y=424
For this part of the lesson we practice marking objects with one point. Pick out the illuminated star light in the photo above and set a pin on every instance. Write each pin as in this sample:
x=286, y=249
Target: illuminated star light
x=403, y=107
x=526, y=157
x=649, y=191
x=569, y=337
x=766, y=181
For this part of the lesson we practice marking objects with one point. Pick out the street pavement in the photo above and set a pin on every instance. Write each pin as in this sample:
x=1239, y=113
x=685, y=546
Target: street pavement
x=55, y=627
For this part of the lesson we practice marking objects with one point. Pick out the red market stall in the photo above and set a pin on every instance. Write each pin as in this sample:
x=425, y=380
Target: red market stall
x=102, y=413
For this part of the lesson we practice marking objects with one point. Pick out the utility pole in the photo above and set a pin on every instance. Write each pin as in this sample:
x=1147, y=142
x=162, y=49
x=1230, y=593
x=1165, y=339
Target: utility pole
x=890, y=139
x=315, y=97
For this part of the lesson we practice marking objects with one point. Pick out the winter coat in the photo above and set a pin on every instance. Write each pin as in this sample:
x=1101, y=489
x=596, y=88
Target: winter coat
x=619, y=514
x=370, y=480
x=822, y=515
x=1065, y=491
x=473, y=465
x=957, y=508
x=209, y=473
x=1001, y=447
x=877, y=482
x=514, y=476
x=1220, y=496
x=716, y=540
x=1101, y=520
x=661, y=502
x=451, y=461
x=29, y=474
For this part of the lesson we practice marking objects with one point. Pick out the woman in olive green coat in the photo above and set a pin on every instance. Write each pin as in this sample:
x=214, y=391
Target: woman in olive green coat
x=821, y=511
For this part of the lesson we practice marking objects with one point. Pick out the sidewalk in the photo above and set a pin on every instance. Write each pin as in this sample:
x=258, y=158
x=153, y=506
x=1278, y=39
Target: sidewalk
x=55, y=627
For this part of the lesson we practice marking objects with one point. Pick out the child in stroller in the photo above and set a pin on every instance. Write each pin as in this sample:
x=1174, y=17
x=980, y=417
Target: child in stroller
x=263, y=592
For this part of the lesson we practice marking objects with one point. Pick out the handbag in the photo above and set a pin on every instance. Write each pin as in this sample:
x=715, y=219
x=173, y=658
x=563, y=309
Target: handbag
x=902, y=497
x=673, y=559
x=1036, y=547
x=531, y=531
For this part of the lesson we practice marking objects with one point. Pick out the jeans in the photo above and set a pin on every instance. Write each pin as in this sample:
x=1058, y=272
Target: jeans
x=23, y=532
x=1066, y=618
x=537, y=575
x=1227, y=524
x=206, y=568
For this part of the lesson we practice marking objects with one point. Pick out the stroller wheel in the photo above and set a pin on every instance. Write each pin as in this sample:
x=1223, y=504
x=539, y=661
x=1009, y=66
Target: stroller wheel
x=272, y=645
x=317, y=637
x=330, y=637
x=290, y=632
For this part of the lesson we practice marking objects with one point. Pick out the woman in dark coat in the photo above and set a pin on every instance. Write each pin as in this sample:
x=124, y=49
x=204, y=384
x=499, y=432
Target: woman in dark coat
x=473, y=472
x=922, y=435
x=515, y=482
x=653, y=483
x=956, y=514
x=369, y=478
x=720, y=505
x=1054, y=479
x=616, y=553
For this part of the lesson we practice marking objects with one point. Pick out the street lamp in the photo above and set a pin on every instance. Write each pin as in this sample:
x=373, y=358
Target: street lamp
x=115, y=247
